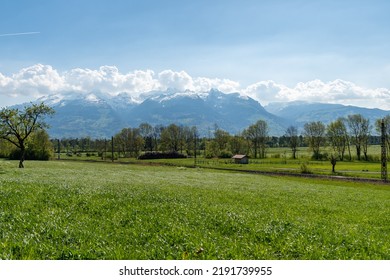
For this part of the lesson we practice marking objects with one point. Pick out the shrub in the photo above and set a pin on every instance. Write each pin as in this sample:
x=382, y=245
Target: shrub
x=373, y=158
x=276, y=156
x=225, y=154
x=305, y=169
x=320, y=156
x=30, y=155
x=159, y=155
x=109, y=155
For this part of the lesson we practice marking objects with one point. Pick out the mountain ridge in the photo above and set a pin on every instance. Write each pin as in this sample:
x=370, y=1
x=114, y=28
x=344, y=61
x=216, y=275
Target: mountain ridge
x=302, y=112
x=101, y=115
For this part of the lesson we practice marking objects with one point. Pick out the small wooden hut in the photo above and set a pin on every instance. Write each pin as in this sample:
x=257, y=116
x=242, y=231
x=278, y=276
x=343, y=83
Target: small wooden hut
x=241, y=159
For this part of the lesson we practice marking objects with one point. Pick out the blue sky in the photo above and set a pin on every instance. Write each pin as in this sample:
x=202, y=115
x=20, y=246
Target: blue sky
x=246, y=41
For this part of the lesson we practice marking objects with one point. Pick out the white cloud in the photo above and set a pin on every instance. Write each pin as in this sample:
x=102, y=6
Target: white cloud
x=39, y=80
x=4, y=81
x=109, y=79
x=337, y=91
x=205, y=84
x=178, y=80
x=183, y=81
x=266, y=91
x=344, y=92
x=33, y=82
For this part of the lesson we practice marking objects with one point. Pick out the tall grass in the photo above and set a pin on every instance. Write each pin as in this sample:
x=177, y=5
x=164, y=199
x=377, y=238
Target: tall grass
x=75, y=210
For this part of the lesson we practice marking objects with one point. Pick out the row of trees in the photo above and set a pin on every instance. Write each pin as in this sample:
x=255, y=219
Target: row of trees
x=25, y=130
x=343, y=135
x=354, y=130
x=131, y=142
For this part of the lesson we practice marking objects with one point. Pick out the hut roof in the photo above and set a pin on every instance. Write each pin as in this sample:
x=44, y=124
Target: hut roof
x=239, y=156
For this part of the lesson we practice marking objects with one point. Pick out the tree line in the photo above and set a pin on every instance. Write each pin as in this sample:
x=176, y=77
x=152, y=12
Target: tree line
x=23, y=136
x=345, y=136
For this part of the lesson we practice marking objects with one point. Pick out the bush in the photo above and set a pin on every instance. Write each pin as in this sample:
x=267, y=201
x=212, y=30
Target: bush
x=320, y=156
x=305, y=169
x=372, y=158
x=225, y=154
x=109, y=156
x=209, y=155
x=159, y=155
x=30, y=155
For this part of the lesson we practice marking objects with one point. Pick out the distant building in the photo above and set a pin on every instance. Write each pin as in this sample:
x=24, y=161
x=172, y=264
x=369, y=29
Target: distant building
x=241, y=159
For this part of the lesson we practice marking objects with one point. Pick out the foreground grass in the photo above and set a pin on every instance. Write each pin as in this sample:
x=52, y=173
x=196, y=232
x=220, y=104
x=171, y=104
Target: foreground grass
x=75, y=210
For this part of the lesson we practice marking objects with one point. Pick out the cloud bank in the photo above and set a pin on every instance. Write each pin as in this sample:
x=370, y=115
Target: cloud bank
x=42, y=80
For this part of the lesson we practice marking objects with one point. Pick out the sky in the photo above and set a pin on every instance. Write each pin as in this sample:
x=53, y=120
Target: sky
x=328, y=51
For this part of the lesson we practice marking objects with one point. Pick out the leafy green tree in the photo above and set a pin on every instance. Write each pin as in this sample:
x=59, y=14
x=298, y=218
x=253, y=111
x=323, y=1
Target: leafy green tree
x=212, y=149
x=191, y=136
x=170, y=138
x=123, y=141
x=129, y=141
x=359, y=128
x=146, y=131
x=5, y=148
x=338, y=137
x=257, y=134
x=238, y=145
x=156, y=136
x=222, y=138
x=40, y=145
x=314, y=134
x=378, y=128
x=16, y=125
x=293, y=139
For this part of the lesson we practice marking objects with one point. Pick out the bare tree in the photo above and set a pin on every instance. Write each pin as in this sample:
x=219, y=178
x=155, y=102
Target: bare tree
x=17, y=125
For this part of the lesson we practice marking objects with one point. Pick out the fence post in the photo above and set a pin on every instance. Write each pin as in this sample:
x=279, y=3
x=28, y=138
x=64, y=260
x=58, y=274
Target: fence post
x=383, y=152
x=112, y=148
x=59, y=149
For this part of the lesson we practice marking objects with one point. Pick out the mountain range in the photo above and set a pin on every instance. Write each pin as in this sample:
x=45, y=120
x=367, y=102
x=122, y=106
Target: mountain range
x=100, y=115
x=301, y=112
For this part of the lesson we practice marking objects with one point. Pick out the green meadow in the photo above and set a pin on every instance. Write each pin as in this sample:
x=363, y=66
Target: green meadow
x=277, y=160
x=83, y=210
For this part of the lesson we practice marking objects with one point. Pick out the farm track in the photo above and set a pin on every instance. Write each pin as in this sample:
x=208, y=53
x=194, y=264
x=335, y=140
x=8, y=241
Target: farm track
x=317, y=176
x=267, y=173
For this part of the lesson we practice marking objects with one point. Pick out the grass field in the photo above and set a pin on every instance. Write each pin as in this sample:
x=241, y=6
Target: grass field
x=278, y=160
x=79, y=210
